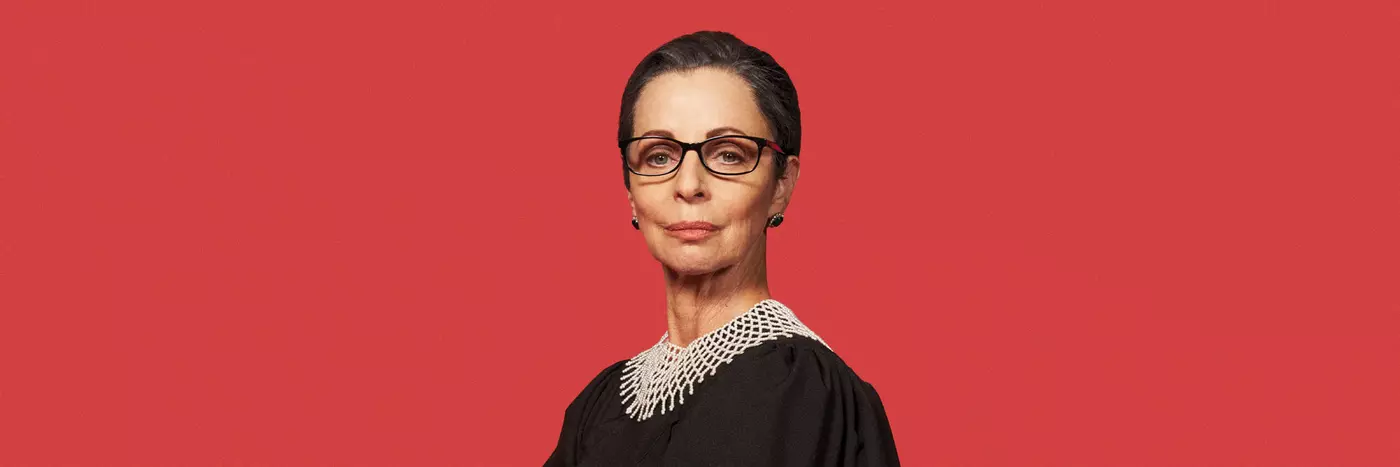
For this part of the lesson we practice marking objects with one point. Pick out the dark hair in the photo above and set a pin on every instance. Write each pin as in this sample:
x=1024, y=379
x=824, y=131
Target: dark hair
x=772, y=88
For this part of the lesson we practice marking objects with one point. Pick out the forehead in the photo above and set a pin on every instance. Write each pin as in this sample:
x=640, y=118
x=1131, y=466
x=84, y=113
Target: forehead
x=688, y=104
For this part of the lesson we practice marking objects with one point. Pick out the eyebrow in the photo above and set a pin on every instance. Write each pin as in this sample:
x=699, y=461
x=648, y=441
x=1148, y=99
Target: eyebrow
x=710, y=134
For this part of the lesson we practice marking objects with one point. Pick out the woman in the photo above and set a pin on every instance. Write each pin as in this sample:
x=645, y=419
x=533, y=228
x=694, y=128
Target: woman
x=709, y=136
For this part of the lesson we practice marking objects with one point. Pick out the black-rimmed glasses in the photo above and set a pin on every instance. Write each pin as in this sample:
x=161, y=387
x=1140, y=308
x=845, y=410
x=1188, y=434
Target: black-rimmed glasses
x=724, y=155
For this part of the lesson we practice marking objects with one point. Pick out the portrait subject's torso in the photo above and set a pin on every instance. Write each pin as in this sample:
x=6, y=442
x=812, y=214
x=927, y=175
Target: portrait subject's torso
x=782, y=401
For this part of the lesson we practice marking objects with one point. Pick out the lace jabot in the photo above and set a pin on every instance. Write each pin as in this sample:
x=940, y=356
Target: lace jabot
x=662, y=375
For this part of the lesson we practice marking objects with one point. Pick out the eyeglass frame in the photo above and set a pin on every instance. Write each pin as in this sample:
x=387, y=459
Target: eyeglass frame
x=687, y=147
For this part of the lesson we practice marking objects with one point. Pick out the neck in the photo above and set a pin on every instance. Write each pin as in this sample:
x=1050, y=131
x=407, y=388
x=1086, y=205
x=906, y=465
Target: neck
x=700, y=303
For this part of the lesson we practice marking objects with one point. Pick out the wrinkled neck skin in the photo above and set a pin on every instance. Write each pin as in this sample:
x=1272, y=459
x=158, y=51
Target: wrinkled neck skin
x=698, y=304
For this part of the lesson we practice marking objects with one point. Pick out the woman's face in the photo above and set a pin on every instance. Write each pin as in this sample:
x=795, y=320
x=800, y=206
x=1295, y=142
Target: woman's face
x=692, y=106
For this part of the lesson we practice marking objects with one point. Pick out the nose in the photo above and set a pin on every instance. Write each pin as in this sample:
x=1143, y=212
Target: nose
x=691, y=178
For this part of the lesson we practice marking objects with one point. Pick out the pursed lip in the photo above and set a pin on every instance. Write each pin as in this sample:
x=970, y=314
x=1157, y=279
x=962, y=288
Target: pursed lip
x=692, y=225
x=691, y=231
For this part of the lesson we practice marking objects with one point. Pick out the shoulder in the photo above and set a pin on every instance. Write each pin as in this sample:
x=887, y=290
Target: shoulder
x=801, y=357
x=607, y=371
x=599, y=383
x=581, y=414
x=799, y=347
x=600, y=390
x=799, y=389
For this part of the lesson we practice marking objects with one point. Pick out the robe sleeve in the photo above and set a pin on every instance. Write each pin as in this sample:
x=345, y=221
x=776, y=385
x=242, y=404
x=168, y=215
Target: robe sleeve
x=796, y=404
x=576, y=417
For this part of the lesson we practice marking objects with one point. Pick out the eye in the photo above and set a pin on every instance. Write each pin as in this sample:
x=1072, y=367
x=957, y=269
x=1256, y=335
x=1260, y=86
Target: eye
x=659, y=159
x=731, y=157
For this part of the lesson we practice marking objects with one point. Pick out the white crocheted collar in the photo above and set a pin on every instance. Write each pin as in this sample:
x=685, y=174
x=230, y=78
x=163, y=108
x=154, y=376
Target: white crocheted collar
x=662, y=375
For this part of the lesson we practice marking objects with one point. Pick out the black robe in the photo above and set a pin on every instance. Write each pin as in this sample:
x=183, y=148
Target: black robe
x=785, y=402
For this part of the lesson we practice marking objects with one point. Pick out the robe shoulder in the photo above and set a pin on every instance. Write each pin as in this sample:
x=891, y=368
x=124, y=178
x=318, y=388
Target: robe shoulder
x=790, y=402
x=580, y=412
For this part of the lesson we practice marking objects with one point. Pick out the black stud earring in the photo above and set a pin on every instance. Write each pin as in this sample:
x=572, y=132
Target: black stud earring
x=776, y=220
x=635, y=225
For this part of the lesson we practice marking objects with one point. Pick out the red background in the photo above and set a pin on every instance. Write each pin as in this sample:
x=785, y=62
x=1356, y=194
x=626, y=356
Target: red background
x=1090, y=233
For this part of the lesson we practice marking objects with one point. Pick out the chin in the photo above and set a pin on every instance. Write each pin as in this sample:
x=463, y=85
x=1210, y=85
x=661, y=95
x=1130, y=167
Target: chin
x=692, y=260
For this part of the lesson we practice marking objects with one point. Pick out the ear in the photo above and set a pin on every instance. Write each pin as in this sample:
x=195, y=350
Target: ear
x=632, y=202
x=782, y=195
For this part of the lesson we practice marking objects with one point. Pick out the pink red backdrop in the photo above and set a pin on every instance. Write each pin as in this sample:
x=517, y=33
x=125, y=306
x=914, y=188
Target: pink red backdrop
x=342, y=233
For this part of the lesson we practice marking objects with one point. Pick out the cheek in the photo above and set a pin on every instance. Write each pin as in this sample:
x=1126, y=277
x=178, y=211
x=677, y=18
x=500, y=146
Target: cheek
x=647, y=203
x=745, y=218
x=744, y=206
